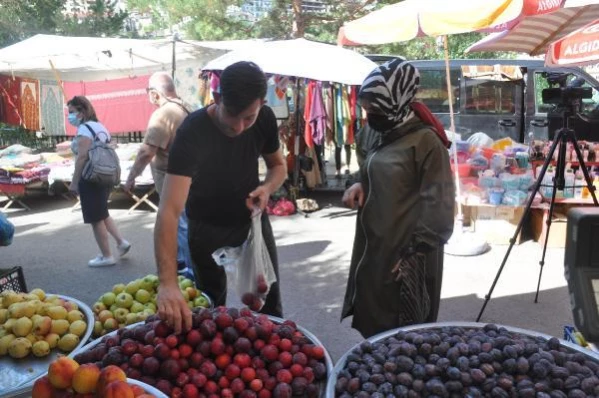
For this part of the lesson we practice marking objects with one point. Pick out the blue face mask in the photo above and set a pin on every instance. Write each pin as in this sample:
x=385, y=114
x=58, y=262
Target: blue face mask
x=73, y=119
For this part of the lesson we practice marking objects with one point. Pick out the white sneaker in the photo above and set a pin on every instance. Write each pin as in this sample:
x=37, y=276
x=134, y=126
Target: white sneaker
x=101, y=261
x=124, y=248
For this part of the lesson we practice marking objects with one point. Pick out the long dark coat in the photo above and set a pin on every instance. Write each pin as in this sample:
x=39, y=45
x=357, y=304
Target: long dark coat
x=409, y=201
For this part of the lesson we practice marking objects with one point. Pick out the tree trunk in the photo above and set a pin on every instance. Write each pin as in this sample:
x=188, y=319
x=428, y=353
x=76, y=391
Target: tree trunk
x=299, y=23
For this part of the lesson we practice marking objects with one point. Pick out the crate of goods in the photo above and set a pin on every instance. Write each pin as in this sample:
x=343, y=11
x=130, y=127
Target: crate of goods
x=12, y=279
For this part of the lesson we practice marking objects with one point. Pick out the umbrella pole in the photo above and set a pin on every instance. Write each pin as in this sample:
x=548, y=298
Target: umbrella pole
x=459, y=244
x=296, y=146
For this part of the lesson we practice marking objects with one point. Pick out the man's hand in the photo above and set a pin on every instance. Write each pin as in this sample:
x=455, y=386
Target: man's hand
x=129, y=185
x=258, y=198
x=354, y=196
x=173, y=308
x=73, y=188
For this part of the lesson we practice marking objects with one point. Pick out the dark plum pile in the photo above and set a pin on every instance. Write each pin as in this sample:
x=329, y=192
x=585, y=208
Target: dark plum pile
x=466, y=362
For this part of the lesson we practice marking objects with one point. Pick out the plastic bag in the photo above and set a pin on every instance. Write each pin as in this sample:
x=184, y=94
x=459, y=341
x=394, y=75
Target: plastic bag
x=7, y=230
x=249, y=267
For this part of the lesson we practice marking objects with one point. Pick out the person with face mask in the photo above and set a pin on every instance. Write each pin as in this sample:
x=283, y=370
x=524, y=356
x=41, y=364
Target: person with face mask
x=405, y=200
x=160, y=133
x=93, y=197
x=213, y=174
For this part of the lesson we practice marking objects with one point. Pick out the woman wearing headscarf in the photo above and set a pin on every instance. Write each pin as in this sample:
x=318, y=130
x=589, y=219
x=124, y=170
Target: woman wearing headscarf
x=405, y=200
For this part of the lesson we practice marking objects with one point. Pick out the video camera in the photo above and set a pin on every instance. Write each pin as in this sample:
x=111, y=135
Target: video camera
x=565, y=94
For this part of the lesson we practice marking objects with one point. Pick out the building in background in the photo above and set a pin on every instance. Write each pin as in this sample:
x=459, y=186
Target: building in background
x=254, y=10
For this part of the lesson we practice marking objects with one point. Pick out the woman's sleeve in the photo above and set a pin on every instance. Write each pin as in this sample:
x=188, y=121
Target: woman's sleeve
x=437, y=196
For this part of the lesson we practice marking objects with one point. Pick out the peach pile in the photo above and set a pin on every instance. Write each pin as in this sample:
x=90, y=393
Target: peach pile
x=66, y=378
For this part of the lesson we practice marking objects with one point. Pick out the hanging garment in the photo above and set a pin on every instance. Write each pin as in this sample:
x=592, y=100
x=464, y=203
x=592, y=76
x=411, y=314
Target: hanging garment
x=52, y=105
x=327, y=95
x=353, y=105
x=318, y=115
x=10, y=93
x=339, y=124
x=30, y=104
x=309, y=92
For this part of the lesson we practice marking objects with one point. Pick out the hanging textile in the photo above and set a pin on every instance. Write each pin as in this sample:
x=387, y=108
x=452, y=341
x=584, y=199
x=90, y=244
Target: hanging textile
x=10, y=93
x=327, y=95
x=30, y=104
x=186, y=86
x=309, y=92
x=347, y=120
x=281, y=83
x=204, y=90
x=277, y=104
x=318, y=115
x=52, y=108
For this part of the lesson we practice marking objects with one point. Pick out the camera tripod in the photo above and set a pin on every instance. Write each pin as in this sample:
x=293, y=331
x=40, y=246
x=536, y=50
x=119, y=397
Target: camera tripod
x=563, y=136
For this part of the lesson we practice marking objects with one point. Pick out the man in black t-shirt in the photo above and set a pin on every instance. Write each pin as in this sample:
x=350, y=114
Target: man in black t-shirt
x=213, y=173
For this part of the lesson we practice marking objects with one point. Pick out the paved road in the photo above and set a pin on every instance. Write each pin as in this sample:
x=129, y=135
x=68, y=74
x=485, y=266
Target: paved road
x=53, y=246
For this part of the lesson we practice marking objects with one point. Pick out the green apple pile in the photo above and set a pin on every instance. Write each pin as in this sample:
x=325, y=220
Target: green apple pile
x=135, y=301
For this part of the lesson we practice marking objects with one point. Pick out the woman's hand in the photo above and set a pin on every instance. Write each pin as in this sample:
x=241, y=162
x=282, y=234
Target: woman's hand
x=354, y=196
x=73, y=188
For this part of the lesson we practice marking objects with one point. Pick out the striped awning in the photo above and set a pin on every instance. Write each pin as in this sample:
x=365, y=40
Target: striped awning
x=534, y=34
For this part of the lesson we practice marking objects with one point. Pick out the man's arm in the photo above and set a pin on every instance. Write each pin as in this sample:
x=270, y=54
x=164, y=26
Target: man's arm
x=275, y=177
x=171, y=304
x=144, y=156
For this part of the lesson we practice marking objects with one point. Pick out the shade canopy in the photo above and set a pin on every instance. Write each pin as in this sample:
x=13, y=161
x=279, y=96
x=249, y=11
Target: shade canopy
x=579, y=48
x=533, y=35
x=301, y=58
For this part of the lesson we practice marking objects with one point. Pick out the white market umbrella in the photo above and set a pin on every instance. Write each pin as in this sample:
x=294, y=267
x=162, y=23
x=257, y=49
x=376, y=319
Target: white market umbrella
x=579, y=48
x=301, y=58
x=534, y=34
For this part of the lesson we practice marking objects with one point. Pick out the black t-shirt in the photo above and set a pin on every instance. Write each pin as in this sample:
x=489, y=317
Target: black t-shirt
x=224, y=170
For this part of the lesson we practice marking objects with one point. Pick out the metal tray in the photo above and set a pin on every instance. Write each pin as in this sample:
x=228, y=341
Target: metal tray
x=23, y=372
x=25, y=392
x=330, y=390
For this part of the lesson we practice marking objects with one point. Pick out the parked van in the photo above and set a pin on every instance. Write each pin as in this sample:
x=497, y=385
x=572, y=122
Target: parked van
x=503, y=98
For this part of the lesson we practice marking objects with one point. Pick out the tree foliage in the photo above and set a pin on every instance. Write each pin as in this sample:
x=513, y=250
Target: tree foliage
x=22, y=19
x=211, y=20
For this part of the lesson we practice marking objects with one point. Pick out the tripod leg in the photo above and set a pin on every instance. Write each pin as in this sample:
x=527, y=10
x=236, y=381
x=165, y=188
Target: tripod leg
x=585, y=171
x=549, y=218
x=558, y=183
x=520, y=225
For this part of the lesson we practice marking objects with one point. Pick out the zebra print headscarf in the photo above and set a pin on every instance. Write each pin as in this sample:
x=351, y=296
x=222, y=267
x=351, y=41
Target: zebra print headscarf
x=390, y=88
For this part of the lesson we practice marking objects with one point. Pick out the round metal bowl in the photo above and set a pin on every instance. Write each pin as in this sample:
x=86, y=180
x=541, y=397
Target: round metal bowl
x=25, y=392
x=15, y=374
x=330, y=390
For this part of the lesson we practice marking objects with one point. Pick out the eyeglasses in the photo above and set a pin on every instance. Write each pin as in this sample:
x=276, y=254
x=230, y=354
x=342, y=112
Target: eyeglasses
x=148, y=89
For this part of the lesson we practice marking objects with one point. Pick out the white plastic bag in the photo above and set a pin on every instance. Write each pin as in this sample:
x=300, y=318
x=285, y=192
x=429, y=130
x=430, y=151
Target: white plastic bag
x=249, y=267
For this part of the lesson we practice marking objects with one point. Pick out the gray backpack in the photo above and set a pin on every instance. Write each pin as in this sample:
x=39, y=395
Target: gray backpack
x=103, y=167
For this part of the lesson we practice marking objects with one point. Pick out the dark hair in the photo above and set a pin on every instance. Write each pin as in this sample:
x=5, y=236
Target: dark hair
x=241, y=84
x=83, y=106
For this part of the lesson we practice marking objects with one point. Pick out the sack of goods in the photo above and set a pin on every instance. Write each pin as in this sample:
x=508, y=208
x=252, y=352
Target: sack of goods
x=103, y=166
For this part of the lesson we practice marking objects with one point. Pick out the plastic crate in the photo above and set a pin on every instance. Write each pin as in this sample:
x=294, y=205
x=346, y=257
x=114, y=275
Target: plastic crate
x=13, y=279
